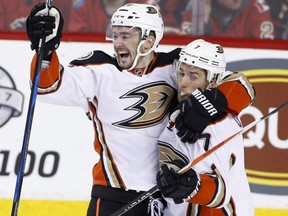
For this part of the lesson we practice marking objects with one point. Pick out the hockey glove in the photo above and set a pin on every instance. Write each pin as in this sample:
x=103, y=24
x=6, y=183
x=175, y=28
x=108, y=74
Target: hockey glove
x=39, y=25
x=198, y=111
x=178, y=187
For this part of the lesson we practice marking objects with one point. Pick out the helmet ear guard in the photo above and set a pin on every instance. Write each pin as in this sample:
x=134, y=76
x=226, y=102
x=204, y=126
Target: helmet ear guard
x=205, y=55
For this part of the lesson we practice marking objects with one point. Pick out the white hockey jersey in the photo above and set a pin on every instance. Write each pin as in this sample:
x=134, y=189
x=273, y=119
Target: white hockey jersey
x=224, y=184
x=128, y=112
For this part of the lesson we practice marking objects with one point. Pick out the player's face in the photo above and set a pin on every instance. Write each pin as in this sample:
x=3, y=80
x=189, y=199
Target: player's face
x=125, y=42
x=231, y=4
x=190, y=78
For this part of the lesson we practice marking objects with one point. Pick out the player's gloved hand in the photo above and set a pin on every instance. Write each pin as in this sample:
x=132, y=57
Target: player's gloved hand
x=178, y=187
x=45, y=22
x=200, y=109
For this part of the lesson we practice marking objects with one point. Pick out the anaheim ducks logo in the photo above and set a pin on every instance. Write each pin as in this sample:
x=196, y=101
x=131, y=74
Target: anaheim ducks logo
x=168, y=153
x=220, y=49
x=151, y=10
x=153, y=105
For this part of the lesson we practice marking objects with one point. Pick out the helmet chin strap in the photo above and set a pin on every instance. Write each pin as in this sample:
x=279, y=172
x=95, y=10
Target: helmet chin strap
x=139, y=54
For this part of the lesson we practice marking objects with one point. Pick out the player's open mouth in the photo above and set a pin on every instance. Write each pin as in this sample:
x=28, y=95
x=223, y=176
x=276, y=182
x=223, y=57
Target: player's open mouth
x=183, y=95
x=123, y=55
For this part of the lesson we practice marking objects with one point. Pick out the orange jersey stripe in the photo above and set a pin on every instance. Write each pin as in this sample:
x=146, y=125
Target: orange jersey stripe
x=206, y=192
x=51, y=75
x=105, y=171
x=205, y=210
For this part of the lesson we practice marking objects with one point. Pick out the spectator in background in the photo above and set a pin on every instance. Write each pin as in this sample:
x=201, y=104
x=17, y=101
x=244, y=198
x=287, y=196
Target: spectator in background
x=94, y=15
x=231, y=18
x=13, y=13
x=279, y=13
x=195, y=16
x=171, y=11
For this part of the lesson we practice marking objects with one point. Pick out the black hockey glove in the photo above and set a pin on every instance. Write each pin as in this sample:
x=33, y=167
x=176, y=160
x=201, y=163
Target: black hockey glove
x=198, y=111
x=39, y=24
x=178, y=187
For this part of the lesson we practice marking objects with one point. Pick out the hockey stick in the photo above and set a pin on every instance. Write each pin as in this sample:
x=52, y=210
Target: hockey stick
x=29, y=119
x=195, y=161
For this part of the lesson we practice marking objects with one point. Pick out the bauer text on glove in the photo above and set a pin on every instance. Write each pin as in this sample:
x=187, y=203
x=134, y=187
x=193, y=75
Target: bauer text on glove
x=200, y=109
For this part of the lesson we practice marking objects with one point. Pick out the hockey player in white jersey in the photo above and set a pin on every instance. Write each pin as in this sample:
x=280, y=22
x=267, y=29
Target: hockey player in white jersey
x=127, y=97
x=217, y=185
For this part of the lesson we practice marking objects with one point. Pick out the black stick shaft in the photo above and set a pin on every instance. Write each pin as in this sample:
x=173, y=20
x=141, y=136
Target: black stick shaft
x=136, y=201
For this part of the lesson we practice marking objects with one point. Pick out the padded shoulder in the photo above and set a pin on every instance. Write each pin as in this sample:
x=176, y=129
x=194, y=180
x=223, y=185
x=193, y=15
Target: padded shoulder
x=166, y=58
x=94, y=57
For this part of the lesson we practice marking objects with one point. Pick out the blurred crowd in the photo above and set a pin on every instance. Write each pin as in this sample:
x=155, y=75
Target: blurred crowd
x=259, y=19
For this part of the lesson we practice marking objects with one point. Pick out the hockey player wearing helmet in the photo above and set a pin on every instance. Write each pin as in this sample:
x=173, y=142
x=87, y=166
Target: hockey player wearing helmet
x=127, y=21
x=127, y=97
x=218, y=185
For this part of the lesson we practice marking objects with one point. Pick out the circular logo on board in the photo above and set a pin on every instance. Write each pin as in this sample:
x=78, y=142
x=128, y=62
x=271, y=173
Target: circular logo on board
x=11, y=100
x=266, y=144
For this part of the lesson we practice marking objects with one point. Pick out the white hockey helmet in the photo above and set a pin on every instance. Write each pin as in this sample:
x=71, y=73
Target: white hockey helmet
x=205, y=55
x=144, y=16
